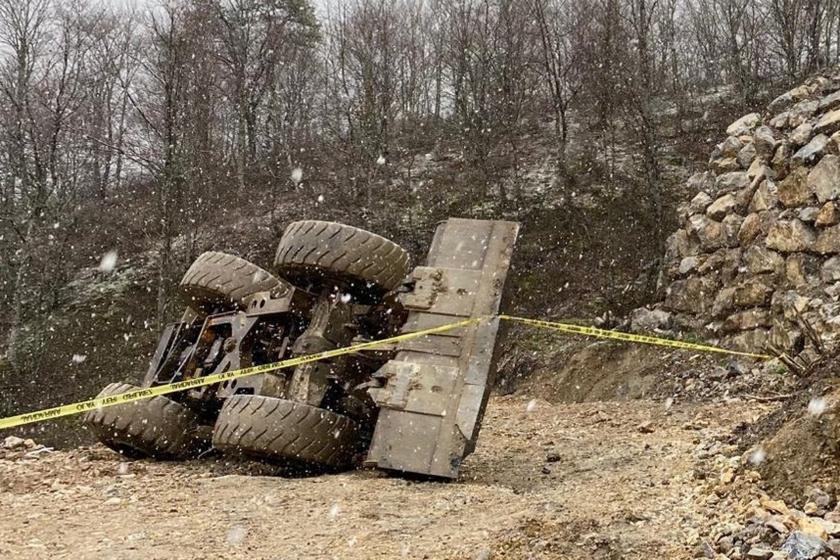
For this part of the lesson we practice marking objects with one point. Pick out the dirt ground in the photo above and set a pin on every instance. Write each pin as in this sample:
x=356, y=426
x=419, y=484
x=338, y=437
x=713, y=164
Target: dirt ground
x=591, y=480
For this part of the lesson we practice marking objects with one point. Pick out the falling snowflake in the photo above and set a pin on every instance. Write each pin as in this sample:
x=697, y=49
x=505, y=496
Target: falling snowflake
x=320, y=198
x=380, y=160
x=345, y=298
x=531, y=406
x=297, y=175
x=79, y=358
x=335, y=509
x=108, y=262
x=817, y=406
x=669, y=402
x=758, y=456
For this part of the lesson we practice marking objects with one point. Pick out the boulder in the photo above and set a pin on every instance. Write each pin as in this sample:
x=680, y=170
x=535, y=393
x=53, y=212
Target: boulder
x=759, y=553
x=744, y=125
x=789, y=98
x=14, y=442
x=746, y=155
x=828, y=123
x=692, y=295
x=824, y=178
x=750, y=228
x=808, y=214
x=759, y=259
x=765, y=197
x=747, y=320
x=689, y=264
x=713, y=262
x=731, y=226
x=704, y=181
x=728, y=148
x=828, y=241
x=731, y=264
x=748, y=341
x=801, y=134
x=745, y=195
x=732, y=181
x=800, y=270
x=784, y=335
x=790, y=236
x=830, y=271
x=757, y=168
x=794, y=189
x=722, y=259
x=683, y=244
x=722, y=206
x=699, y=203
x=789, y=303
x=724, y=165
x=647, y=320
x=781, y=160
x=710, y=233
x=802, y=546
x=812, y=151
x=828, y=215
x=829, y=102
x=803, y=111
x=765, y=141
x=724, y=302
x=752, y=293
x=780, y=120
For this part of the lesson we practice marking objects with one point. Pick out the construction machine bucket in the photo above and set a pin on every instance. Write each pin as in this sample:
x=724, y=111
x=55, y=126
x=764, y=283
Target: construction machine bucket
x=435, y=389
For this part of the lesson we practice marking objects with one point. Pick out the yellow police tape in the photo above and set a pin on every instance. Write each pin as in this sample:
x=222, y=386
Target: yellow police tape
x=630, y=337
x=148, y=392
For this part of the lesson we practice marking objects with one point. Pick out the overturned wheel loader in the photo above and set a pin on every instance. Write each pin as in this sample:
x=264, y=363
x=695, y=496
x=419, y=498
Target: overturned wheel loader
x=412, y=407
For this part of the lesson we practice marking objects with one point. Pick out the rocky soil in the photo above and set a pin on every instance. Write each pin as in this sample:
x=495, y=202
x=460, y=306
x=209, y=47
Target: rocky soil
x=641, y=479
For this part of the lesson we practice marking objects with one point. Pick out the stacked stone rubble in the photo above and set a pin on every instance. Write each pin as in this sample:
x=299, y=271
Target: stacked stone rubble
x=757, y=255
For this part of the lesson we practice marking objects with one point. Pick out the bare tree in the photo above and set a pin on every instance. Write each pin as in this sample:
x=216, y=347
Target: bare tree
x=561, y=27
x=22, y=30
x=253, y=36
x=787, y=17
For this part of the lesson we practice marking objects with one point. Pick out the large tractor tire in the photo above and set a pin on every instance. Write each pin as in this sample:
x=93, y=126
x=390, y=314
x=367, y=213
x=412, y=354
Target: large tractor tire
x=318, y=255
x=157, y=427
x=220, y=279
x=292, y=433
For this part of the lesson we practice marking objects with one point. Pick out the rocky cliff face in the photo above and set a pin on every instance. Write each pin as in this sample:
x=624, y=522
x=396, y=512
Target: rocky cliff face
x=757, y=257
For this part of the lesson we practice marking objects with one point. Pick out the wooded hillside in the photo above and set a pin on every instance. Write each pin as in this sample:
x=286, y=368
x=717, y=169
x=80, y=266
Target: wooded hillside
x=153, y=131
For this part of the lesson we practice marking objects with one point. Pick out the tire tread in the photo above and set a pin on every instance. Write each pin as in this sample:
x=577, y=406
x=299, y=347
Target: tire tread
x=285, y=430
